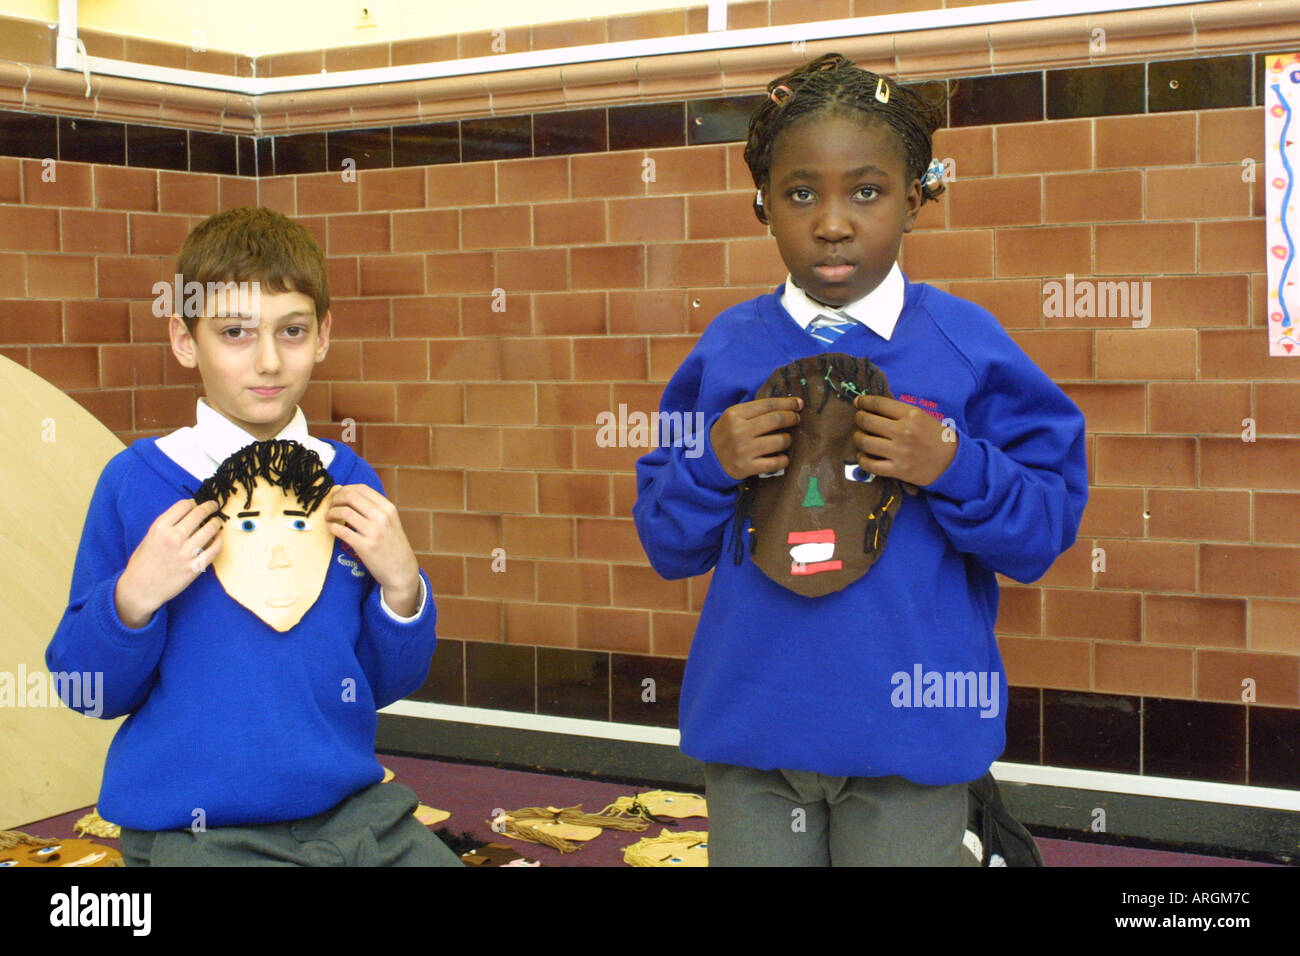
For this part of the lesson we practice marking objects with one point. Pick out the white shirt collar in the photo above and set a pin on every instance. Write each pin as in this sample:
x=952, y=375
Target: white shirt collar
x=878, y=310
x=213, y=438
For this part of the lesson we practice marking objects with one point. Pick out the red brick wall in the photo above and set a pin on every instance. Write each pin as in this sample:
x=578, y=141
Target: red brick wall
x=482, y=423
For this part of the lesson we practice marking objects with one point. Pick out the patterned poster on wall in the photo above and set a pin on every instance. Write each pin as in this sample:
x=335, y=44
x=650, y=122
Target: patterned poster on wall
x=1282, y=99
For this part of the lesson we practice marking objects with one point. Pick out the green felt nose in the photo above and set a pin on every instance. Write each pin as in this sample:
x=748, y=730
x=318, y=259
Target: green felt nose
x=814, y=497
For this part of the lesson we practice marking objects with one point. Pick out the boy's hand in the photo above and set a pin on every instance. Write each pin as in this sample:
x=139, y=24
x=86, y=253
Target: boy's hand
x=750, y=437
x=368, y=522
x=900, y=441
x=173, y=553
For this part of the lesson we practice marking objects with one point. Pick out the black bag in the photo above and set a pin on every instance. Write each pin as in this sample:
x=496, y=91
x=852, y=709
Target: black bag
x=1000, y=838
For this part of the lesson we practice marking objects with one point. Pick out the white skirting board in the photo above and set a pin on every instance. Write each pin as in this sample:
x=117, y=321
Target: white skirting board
x=1202, y=791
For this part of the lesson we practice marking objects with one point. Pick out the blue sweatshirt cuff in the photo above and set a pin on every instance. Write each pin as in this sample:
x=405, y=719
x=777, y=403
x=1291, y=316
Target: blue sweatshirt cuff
x=705, y=469
x=965, y=477
x=110, y=622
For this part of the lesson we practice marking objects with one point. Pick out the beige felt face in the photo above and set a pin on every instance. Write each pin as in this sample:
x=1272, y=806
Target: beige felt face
x=273, y=555
x=664, y=803
x=565, y=831
x=688, y=848
x=76, y=852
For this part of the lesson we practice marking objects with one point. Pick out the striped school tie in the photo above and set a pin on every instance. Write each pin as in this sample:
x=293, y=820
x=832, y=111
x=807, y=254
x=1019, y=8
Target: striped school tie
x=826, y=328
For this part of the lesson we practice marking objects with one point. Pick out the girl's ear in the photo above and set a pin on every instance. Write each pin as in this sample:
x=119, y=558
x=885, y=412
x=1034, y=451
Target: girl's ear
x=912, y=207
x=759, y=209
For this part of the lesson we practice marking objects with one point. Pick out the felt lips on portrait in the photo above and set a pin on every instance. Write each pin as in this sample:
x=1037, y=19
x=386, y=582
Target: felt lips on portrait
x=811, y=552
x=820, y=523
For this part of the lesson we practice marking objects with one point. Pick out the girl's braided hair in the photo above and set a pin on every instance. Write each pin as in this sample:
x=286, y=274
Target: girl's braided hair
x=832, y=82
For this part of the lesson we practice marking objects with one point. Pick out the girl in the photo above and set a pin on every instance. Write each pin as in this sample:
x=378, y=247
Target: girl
x=842, y=728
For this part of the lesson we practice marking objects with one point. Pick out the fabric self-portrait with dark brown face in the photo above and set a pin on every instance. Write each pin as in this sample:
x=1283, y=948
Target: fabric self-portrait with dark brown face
x=819, y=525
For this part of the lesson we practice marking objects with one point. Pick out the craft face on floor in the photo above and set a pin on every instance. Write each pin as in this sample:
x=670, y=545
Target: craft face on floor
x=821, y=523
x=74, y=852
x=273, y=554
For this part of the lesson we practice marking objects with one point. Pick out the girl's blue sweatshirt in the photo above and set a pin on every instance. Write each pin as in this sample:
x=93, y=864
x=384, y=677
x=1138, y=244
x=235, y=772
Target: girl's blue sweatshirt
x=899, y=672
x=230, y=721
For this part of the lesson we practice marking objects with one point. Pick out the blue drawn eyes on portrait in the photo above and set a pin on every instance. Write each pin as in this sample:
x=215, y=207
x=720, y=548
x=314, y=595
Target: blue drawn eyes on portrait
x=853, y=472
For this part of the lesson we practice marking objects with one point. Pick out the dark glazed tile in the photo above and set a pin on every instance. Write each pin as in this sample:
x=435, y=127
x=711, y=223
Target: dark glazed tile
x=986, y=100
x=213, y=153
x=573, y=683
x=368, y=148
x=496, y=137
x=721, y=120
x=1091, y=731
x=246, y=153
x=1024, y=726
x=647, y=126
x=1194, y=740
x=573, y=131
x=500, y=676
x=1097, y=91
x=155, y=147
x=265, y=162
x=27, y=134
x=427, y=144
x=1200, y=84
x=299, y=153
x=92, y=141
x=446, y=681
x=1275, y=747
x=646, y=690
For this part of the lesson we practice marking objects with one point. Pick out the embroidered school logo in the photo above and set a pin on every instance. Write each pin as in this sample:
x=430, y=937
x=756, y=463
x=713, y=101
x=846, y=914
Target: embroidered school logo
x=926, y=405
x=350, y=560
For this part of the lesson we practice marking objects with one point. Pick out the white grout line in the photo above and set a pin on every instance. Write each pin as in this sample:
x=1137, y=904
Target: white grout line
x=68, y=59
x=1168, y=787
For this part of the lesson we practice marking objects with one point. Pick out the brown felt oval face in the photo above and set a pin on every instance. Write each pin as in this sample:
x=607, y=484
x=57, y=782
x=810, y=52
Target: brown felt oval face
x=820, y=525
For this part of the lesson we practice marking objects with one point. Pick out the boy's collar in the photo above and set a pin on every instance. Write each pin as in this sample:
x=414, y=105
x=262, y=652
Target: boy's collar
x=221, y=438
x=878, y=310
x=200, y=448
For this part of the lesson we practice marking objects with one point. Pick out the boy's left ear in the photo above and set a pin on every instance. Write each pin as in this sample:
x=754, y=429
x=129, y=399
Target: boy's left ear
x=323, y=336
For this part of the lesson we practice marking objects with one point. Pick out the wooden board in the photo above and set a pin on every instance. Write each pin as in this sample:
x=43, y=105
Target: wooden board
x=51, y=453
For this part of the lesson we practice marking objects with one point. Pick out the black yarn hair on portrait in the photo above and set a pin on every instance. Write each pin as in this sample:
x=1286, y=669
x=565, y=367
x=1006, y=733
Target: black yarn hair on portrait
x=285, y=464
x=846, y=378
x=831, y=83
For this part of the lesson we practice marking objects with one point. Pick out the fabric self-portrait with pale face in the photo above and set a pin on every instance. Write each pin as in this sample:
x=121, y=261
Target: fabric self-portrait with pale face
x=235, y=718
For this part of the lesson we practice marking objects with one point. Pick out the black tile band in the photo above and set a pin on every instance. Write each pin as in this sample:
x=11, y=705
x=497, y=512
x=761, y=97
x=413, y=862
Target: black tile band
x=1159, y=86
x=1151, y=736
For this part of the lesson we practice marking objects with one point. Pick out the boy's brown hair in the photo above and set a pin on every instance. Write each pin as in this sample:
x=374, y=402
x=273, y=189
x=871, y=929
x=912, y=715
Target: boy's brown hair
x=250, y=244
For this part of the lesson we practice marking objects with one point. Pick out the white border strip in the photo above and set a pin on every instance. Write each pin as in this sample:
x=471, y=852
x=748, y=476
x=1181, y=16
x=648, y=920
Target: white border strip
x=69, y=59
x=608, y=730
x=1169, y=787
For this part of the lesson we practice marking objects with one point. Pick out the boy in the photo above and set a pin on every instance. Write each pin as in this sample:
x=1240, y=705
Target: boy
x=251, y=735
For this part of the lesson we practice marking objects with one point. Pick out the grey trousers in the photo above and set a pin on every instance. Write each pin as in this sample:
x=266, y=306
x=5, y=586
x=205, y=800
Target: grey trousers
x=373, y=827
x=798, y=818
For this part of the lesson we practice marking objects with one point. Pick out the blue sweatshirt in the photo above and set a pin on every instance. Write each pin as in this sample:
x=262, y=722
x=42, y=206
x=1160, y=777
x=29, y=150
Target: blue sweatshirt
x=231, y=722
x=899, y=672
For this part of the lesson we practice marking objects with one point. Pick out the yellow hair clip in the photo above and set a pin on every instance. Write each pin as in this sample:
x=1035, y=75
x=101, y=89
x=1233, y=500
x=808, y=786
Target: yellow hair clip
x=882, y=90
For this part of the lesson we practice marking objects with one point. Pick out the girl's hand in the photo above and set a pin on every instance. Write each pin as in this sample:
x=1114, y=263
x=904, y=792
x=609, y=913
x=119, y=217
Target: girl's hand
x=750, y=437
x=368, y=522
x=174, y=552
x=900, y=441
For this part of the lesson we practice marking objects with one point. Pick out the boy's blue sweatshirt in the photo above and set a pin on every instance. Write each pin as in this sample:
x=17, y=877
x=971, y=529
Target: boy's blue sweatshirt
x=875, y=679
x=231, y=722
